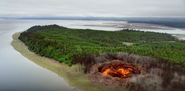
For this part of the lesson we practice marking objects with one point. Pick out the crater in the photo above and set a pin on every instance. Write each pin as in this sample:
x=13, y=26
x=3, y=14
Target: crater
x=114, y=73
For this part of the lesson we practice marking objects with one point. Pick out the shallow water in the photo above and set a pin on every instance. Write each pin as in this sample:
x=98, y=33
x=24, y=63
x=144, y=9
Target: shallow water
x=19, y=73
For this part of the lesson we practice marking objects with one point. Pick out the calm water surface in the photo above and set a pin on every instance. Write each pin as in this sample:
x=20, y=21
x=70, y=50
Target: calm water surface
x=19, y=73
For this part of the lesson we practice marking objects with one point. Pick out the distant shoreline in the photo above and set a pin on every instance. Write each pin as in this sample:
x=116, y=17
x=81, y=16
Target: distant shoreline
x=175, y=22
x=179, y=36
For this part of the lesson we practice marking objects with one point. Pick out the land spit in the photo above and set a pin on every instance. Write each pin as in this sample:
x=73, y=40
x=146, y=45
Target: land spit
x=151, y=79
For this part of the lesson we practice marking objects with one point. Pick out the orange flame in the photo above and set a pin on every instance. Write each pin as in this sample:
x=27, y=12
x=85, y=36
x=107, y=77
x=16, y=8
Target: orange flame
x=106, y=72
x=123, y=72
x=120, y=70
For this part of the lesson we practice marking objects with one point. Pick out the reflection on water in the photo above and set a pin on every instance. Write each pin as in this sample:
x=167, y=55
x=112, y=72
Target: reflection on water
x=18, y=73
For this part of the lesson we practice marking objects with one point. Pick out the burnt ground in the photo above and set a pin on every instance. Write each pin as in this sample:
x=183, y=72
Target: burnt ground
x=150, y=74
x=114, y=81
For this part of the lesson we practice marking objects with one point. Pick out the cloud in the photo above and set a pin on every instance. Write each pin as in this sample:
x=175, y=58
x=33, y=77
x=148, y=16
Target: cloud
x=106, y=8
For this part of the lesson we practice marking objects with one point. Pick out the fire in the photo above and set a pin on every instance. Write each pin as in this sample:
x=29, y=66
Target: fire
x=106, y=72
x=123, y=72
x=119, y=71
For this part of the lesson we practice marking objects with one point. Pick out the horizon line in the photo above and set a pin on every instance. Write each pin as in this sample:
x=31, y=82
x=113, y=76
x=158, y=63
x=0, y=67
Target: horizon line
x=94, y=17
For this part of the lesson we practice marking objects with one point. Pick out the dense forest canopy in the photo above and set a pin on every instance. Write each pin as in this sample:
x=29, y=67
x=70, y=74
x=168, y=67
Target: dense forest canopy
x=73, y=45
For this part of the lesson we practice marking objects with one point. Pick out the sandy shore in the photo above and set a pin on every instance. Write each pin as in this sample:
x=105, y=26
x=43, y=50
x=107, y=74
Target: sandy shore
x=125, y=25
x=72, y=75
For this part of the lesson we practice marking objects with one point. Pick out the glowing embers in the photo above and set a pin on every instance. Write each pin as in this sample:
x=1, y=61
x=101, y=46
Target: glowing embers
x=115, y=73
x=119, y=69
x=119, y=72
x=106, y=72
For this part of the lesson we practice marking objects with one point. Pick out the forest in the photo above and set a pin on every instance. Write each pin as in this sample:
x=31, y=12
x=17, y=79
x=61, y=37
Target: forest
x=73, y=46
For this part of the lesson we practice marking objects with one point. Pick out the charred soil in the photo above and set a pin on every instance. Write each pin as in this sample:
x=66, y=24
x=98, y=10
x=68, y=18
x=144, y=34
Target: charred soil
x=114, y=74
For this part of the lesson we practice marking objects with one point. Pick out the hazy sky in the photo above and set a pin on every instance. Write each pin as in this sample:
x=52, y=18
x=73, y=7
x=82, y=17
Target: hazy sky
x=105, y=8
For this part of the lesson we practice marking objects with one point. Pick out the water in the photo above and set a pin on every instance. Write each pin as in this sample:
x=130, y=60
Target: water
x=19, y=73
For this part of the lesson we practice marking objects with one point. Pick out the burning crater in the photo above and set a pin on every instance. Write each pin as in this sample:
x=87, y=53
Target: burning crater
x=114, y=73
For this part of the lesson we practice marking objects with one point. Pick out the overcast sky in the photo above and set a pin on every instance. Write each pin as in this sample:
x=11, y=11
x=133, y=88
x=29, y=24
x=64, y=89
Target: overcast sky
x=97, y=8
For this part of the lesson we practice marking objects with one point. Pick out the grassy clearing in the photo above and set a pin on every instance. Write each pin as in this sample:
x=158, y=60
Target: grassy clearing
x=73, y=75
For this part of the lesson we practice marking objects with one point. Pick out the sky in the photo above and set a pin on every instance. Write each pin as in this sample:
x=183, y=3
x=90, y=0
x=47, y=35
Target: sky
x=92, y=8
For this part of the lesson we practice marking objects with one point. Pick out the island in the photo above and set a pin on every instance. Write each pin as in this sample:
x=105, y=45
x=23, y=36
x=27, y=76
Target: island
x=110, y=60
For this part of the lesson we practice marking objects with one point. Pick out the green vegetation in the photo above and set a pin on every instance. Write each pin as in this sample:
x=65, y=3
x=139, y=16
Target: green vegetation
x=72, y=75
x=75, y=45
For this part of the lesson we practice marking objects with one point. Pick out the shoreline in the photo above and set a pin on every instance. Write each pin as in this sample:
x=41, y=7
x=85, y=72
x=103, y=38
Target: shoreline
x=142, y=27
x=179, y=36
x=75, y=77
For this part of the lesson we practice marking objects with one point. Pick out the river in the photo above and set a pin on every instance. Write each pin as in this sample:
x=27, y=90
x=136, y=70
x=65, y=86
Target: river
x=19, y=73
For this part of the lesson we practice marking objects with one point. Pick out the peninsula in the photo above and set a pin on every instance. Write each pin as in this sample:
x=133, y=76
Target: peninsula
x=99, y=50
